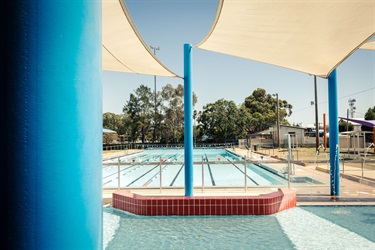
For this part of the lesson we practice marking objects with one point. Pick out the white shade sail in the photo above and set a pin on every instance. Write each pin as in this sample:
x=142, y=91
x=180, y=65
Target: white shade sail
x=310, y=36
x=369, y=45
x=123, y=49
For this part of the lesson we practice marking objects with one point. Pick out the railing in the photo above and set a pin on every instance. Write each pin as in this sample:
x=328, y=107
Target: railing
x=353, y=167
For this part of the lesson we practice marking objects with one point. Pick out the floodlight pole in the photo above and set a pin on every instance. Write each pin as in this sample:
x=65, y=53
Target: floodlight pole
x=153, y=47
x=278, y=120
x=334, y=149
x=188, y=121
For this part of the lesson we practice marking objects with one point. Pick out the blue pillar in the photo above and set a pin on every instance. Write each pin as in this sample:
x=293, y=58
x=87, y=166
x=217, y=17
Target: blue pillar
x=52, y=118
x=334, y=149
x=188, y=121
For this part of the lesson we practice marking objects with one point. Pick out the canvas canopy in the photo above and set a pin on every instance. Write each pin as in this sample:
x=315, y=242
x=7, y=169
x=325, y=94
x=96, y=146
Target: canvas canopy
x=123, y=49
x=367, y=123
x=310, y=36
x=369, y=45
x=105, y=130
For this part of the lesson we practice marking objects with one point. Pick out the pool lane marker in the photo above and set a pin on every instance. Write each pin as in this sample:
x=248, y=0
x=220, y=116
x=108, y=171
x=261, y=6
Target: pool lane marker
x=209, y=169
x=175, y=178
x=309, y=231
x=155, y=175
x=256, y=183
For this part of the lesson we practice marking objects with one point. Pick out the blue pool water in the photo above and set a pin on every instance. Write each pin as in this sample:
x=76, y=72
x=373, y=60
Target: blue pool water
x=329, y=227
x=222, y=168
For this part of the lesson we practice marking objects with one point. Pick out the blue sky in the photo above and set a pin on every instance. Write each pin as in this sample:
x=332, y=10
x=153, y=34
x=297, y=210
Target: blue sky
x=171, y=23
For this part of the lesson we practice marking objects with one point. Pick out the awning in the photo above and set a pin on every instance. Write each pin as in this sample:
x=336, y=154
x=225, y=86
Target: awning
x=367, y=123
x=123, y=49
x=313, y=37
x=105, y=130
x=369, y=45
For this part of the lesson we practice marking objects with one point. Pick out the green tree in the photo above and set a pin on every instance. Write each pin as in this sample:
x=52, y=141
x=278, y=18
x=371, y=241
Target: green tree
x=262, y=110
x=343, y=124
x=221, y=120
x=115, y=122
x=173, y=110
x=140, y=111
x=370, y=115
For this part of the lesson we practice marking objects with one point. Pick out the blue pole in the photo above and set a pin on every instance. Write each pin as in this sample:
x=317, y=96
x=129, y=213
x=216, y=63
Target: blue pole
x=188, y=120
x=52, y=114
x=334, y=149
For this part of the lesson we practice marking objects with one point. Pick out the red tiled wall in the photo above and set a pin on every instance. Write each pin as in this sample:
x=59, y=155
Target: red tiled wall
x=204, y=205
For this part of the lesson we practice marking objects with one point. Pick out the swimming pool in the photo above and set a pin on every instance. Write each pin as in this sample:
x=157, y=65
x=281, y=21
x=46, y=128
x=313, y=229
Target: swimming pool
x=328, y=227
x=221, y=168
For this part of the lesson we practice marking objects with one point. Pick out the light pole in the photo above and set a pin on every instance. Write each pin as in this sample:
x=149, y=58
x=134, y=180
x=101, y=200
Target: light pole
x=155, y=48
x=352, y=107
x=277, y=119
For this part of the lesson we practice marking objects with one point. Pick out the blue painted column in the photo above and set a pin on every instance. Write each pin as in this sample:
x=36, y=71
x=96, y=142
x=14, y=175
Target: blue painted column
x=52, y=118
x=334, y=149
x=188, y=121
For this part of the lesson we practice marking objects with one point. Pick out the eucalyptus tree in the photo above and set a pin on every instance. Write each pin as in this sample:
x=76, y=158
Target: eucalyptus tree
x=173, y=110
x=140, y=111
x=262, y=110
x=221, y=120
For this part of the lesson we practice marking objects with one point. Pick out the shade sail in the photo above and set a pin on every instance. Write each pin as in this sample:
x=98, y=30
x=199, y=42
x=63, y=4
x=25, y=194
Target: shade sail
x=123, y=49
x=310, y=36
x=366, y=123
x=369, y=45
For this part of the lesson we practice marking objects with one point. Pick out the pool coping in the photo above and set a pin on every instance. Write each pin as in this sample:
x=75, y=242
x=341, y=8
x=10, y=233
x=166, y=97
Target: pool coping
x=207, y=205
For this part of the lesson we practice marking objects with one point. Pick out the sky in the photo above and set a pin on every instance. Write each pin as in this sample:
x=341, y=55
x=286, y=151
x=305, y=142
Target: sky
x=170, y=24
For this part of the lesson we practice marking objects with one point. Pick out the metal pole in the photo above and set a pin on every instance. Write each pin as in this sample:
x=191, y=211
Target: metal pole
x=118, y=174
x=202, y=174
x=363, y=164
x=289, y=158
x=188, y=121
x=155, y=48
x=277, y=121
x=161, y=181
x=245, y=171
x=325, y=131
x=334, y=154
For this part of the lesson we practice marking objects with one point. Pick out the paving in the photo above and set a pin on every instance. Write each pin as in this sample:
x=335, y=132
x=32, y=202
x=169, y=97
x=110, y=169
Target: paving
x=356, y=186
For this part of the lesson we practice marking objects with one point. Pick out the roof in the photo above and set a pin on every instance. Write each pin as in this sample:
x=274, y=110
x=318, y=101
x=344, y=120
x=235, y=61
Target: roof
x=123, y=48
x=313, y=37
x=367, y=123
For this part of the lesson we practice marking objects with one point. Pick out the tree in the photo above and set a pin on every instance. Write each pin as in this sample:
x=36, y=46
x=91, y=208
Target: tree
x=343, y=124
x=221, y=120
x=140, y=111
x=370, y=115
x=173, y=108
x=262, y=110
x=115, y=122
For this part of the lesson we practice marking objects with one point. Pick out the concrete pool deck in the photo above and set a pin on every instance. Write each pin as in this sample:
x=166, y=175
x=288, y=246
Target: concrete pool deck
x=352, y=191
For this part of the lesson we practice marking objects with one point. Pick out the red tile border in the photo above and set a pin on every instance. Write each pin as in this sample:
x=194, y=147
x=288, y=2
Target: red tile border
x=264, y=204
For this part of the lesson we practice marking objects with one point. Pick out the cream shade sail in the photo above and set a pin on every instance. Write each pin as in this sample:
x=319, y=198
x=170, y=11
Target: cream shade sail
x=123, y=49
x=310, y=36
x=369, y=45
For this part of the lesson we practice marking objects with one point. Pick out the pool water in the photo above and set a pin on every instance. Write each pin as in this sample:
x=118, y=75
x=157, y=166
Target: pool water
x=221, y=168
x=328, y=227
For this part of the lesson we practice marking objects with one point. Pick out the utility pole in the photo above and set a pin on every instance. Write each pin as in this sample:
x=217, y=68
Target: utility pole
x=155, y=48
x=277, y=119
